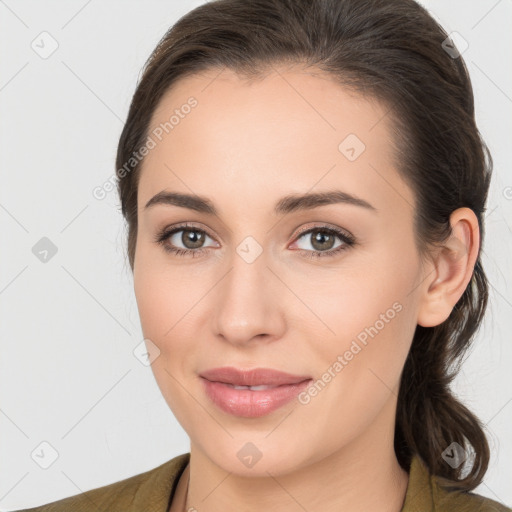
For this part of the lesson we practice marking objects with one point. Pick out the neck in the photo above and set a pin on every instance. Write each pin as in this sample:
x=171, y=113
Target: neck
x=363, y=475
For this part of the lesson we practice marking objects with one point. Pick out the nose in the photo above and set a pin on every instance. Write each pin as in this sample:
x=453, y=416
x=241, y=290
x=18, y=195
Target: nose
x=249, y=305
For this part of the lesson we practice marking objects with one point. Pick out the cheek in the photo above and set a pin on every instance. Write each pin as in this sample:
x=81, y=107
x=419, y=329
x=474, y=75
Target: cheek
x=347, y=302
x=162, y=292
x=162, y=311
x=370, y=315
x=152, y=301
x=166, y=299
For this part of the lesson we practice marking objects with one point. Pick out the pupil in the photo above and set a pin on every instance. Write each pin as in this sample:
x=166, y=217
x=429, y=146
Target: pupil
x=192, y=237
x=320, y=237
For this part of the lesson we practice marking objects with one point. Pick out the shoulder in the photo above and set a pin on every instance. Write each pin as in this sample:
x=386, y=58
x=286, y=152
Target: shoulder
x=426, y=493
x=464, y=501
x=150, y=490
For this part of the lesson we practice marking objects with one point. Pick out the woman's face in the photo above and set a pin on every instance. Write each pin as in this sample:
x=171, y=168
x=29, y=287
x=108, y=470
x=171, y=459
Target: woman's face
x=258, y=288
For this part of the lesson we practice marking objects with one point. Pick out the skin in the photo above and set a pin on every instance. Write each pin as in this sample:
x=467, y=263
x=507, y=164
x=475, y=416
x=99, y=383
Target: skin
x=245, y=146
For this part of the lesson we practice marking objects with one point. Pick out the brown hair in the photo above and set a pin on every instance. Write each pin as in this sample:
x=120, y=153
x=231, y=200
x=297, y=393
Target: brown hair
x=391, y=50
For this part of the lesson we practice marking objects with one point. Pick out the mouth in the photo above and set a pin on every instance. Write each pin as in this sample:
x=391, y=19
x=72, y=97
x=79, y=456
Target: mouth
x=252, y=388
x=254, y=393
x=256, y=379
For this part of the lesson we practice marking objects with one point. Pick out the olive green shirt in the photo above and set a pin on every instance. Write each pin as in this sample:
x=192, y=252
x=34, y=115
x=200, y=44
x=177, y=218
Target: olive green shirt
x=153, y=491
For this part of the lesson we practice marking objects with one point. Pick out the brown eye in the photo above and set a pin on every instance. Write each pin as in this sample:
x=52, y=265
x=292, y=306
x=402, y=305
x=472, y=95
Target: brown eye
x=323, y=242
x=320, y=239
x=192, y=238
x=183, y=240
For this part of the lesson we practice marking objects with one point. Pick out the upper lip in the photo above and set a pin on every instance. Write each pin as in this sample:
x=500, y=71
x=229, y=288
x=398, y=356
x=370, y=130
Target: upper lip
x=253, y=377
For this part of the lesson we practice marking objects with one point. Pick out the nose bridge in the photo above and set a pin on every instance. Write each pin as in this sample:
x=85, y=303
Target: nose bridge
x=247, y=305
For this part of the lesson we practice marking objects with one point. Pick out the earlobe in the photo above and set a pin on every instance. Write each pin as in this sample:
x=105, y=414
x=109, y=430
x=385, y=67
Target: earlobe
x=452, y=269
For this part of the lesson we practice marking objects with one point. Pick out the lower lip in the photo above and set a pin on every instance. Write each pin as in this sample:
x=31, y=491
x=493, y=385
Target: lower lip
x=251, y=404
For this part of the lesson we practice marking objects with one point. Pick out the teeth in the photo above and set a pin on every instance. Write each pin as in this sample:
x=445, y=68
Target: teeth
x=252, y=388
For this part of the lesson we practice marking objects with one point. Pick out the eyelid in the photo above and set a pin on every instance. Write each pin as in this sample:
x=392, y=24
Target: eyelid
x=347, y=239
x=312, y=226
x=187, y=225
x=303, y=230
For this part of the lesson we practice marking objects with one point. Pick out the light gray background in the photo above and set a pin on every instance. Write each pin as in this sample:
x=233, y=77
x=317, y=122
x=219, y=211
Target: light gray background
x=68, y=326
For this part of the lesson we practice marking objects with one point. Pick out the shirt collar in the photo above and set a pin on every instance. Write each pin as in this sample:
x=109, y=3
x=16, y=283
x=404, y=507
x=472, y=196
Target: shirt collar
x=161, y=486
x=418, y=497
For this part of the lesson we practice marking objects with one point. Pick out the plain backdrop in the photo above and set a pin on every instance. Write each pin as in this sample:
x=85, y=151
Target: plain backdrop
x=73, y=395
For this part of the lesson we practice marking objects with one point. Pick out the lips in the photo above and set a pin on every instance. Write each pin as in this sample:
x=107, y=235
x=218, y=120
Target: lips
x=251, y=393
x=267, y=377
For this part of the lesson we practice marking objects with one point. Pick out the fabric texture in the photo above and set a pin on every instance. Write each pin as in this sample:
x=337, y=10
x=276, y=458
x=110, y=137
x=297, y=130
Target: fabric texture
x=153, y=490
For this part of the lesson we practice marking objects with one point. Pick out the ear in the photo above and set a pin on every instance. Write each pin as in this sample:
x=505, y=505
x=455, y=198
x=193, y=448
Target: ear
x=451, y=269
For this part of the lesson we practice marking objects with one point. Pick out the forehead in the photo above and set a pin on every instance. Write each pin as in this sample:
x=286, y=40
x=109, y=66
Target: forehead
x=280, y=97
x=284, y=131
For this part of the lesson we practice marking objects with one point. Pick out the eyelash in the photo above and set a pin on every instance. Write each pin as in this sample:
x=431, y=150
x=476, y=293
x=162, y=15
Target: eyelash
x=347, y=239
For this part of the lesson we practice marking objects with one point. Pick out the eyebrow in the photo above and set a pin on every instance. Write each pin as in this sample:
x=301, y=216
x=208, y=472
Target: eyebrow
x=287, y=204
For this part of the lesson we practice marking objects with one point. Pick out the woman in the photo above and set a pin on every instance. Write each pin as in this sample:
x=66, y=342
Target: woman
x=304, y=186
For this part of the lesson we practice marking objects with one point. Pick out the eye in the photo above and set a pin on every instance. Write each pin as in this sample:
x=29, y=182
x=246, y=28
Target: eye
x=323, y=241
x=321, y=238
x=190, y=237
